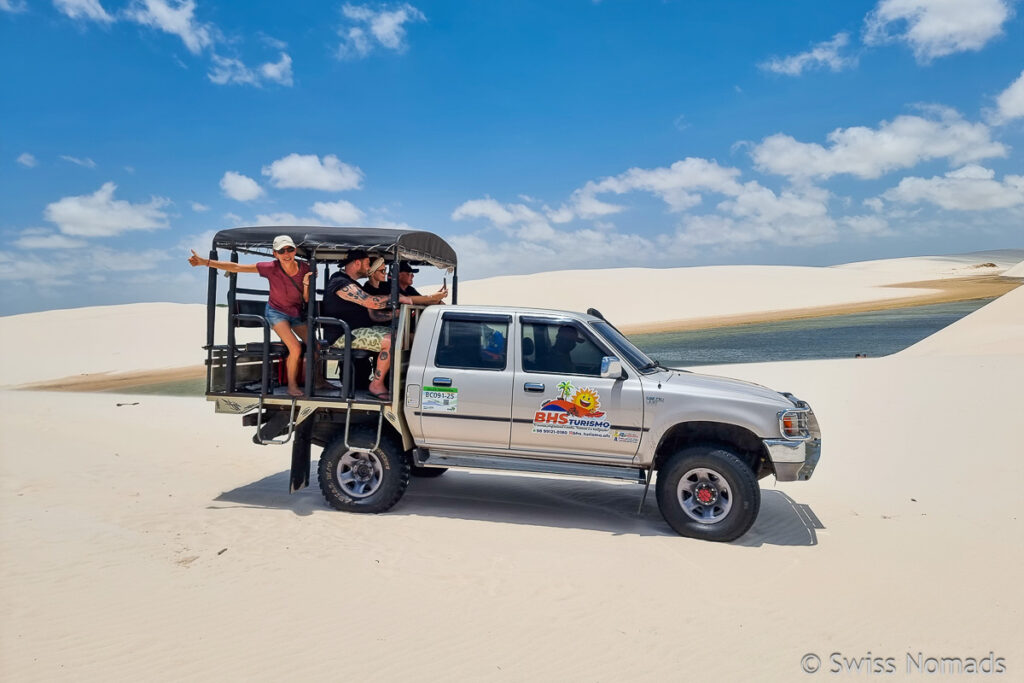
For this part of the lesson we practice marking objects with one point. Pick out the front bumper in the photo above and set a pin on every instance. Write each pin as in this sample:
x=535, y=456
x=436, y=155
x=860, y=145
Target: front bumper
x=794, y=460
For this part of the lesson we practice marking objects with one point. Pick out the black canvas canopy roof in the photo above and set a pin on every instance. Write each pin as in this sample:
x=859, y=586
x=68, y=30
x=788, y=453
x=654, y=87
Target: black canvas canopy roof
x=323, y=243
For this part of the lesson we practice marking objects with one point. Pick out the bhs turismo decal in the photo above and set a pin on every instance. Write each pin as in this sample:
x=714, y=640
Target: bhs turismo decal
x=574, y=413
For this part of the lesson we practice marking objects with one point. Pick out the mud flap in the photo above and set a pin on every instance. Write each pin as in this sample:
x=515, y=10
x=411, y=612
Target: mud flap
x=276, y=424
x=301, y=444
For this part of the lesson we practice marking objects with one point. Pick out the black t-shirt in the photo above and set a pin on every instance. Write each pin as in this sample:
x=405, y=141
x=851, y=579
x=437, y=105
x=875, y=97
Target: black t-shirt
x=336, y=307
x=383, y=289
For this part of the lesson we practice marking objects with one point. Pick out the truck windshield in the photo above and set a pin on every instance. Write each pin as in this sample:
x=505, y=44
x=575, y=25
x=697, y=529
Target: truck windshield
x=634, y=356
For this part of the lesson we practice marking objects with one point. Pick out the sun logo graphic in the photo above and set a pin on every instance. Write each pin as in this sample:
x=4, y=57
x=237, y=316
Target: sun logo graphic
x=587, y=402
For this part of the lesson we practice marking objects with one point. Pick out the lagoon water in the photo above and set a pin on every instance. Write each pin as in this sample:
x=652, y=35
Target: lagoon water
x=878, y=333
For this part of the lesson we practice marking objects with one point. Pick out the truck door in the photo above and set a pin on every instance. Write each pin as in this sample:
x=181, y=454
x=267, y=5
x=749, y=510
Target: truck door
x=560, y=402
x=466, y=395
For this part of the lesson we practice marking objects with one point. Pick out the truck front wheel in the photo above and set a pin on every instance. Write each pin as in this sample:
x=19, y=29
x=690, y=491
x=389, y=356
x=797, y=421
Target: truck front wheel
x=708, y=493
x=360, y=480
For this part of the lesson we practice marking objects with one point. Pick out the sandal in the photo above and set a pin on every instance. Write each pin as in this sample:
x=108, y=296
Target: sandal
x=384, y=396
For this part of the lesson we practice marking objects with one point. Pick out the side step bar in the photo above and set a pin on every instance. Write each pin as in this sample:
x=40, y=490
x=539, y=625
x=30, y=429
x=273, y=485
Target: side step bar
x=436, y=458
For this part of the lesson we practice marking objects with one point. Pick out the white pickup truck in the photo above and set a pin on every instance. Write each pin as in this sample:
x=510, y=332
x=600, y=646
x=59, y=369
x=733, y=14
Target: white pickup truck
x=519, y=389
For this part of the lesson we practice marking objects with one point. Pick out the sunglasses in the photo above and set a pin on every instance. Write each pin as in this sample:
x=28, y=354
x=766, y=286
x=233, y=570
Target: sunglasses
x=286, y=250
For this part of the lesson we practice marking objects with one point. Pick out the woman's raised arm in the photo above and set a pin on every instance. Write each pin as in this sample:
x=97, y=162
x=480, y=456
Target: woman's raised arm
x=197, y=260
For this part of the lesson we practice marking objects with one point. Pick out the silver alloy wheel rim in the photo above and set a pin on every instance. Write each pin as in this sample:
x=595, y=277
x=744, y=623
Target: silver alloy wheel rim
x=686, y=492
x=359, y=473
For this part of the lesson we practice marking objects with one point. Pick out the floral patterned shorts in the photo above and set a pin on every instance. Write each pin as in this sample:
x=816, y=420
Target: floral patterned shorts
x=365, y=338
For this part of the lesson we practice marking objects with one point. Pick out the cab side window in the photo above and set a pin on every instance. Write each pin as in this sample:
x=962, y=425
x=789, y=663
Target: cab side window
x=472, y=344
x=559, y=348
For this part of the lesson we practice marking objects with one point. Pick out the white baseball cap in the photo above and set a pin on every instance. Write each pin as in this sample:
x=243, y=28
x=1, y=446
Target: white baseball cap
x=282, y=241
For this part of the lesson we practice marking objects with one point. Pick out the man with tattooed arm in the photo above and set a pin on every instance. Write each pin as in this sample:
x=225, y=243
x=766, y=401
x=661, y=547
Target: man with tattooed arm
x=366, y=314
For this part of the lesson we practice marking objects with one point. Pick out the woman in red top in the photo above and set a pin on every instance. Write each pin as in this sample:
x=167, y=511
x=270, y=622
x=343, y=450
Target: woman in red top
x=289, y=289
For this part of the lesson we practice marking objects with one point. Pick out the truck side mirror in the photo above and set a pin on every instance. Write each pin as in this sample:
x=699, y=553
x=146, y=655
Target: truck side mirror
x=611, y=367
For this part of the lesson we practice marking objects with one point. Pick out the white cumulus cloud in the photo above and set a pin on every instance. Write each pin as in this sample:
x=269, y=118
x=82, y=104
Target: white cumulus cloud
x=12, y=6
x=870, y=152
x=514, y=220
x=367, y=28
x=240, y=187
x=677, y=185
x=867, y=226
x=971, y=188
x=935, y=28
x=176, y=17
x=1010, y=102
x=199, y=208
x=86, y=162
x=748, y=213
x=84, y=9
x=284, y=218
x=307, y=171
x=44, y=238
x=27, y=160
x=822, y=55
x=100, y=215
x=230, y=71
x=279, y=71
x=340, y=212
x=758, y=214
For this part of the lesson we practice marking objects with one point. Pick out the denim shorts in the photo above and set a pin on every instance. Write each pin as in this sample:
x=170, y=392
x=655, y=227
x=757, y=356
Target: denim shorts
x=275, y=316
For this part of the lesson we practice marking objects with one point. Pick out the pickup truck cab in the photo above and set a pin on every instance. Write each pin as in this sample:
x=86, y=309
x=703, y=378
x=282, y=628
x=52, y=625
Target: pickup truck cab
x=531, y=390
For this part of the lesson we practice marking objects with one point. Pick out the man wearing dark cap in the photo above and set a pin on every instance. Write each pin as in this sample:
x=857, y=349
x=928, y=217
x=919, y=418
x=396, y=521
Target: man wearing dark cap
x=405, y=276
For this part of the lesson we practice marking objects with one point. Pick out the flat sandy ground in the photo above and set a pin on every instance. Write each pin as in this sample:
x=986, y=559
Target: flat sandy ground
x=152, y=541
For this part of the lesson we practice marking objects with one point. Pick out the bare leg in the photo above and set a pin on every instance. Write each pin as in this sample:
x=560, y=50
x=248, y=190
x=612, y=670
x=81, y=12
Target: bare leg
x=380, y=373
x=318, y=372
x=287, y=334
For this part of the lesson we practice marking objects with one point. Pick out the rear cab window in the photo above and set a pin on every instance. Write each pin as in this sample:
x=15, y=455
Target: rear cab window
x=473, y=342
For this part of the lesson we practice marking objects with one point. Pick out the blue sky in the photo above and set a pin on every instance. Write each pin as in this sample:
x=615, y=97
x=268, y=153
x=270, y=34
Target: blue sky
x=531, y=135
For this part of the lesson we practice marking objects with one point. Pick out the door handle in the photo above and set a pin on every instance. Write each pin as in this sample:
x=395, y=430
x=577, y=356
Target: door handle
x=533, y=386
x=442, y=381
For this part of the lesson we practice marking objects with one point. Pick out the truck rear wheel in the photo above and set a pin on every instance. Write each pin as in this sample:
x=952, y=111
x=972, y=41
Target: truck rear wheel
x=708, y=493
x=359, y=480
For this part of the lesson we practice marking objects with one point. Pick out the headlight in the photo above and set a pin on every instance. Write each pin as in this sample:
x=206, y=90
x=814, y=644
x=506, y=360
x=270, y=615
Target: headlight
x=793, y=424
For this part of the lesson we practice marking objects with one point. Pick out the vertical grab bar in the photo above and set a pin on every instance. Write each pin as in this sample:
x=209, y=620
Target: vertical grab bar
x=311, y=313
x=211, y=319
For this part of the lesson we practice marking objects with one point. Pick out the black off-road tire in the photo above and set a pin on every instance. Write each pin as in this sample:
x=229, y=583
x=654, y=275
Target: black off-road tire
x=385, y=470
x=428, y=472
x=714, y=473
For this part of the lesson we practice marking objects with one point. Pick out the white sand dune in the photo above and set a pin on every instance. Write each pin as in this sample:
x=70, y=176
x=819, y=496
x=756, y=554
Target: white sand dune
x=107, y=339
x=126, y=338
x=994, y=329
x=638, y=296
x=642, y=296
x=138, y=337
x=153, y=541
x=1015, y=271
